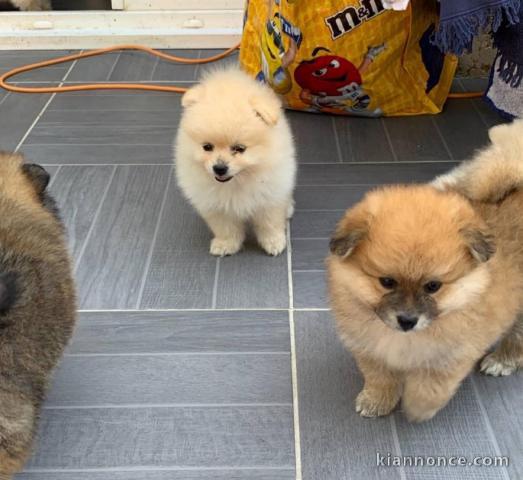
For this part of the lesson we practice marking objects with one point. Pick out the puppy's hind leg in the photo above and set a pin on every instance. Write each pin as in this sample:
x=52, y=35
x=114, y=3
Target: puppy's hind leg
x=269, y=226
x=229, y=233
x=508, y=356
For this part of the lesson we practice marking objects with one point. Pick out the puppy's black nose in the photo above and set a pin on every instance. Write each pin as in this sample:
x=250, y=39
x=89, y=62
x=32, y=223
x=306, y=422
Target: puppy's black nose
x=406, y=322
x=220, y=169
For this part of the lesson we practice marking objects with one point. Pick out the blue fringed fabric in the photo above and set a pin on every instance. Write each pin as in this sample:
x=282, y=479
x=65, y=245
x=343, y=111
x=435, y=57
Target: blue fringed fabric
x=505, y=91
x=462, y=20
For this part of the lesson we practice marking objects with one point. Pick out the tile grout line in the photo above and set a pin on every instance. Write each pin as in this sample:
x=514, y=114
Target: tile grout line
x=397, y=445
x=442, y=138
x=182, y=310
x=126, y=468
x=381, y=164
x=44, y=108
x=488, y=426
x=137, y=406
x=5, y=97
x=481, y=117
x=153, y=70
x=197, y=69
x=111, y=71
x=175, y=354
x=147, y=265
x=294, y=367
x=215, y=285
x=53, y=177
x=95, y=218
x=389, y=140
x=474, y=106
x=337, y=140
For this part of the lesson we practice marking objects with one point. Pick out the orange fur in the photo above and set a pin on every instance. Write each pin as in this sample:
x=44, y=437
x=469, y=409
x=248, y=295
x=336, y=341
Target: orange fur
x=415, y=235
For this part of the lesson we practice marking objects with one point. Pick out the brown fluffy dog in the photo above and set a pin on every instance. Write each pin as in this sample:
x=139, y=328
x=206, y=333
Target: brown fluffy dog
x=37, y=306
x=422, y=283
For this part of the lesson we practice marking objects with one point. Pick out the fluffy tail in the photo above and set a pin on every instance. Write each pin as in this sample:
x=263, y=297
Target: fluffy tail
x=494, y=172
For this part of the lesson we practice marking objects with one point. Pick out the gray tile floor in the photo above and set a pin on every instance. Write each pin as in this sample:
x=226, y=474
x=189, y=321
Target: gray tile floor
x=187, y=367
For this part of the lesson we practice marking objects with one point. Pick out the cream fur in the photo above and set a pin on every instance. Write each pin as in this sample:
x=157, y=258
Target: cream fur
x=228, y=107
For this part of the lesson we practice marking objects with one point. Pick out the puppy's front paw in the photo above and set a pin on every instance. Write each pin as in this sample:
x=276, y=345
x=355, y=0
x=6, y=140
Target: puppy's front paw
x=275, y=244
x=224, y=246
x=374, y=403
x=496, y=366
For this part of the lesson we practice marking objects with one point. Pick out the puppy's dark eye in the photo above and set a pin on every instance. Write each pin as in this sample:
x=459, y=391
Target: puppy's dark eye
x=432, y=286
x=208, y=147
x=388, y=283
x=238, y=148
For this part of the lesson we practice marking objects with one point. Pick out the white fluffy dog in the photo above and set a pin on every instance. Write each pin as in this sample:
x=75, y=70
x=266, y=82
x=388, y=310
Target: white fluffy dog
x=235, y=160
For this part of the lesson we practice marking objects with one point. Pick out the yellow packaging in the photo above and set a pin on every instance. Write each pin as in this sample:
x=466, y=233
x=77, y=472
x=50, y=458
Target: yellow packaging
x=348, y=57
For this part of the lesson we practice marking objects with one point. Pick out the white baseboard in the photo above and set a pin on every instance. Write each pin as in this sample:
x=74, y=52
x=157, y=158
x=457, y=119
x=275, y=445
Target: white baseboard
x=96, y=29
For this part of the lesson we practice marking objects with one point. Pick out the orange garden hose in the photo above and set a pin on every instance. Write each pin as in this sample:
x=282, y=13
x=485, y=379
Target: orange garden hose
x=465, y=95
x=104, y=86
x=127, y=86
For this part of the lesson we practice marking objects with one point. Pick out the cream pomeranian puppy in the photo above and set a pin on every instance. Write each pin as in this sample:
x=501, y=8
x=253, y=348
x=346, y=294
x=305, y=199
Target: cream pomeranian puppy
x=424, y=281
x=235, y=160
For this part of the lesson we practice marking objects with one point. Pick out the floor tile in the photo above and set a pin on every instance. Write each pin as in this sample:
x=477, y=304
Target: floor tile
x=112, y=101
x=310, y=289
x=181, y=379
x=172, y=71
x=123, y=230
x=8, y=61
x=182, y=271
x=181, y=332
x=347, y=174
x=253, y=279
x=78, y=192
x=457, y=430
x=332, y=197
x=203, y=68
x=99, y=154
x=100, y=135
x=502, y=402
x=93, y=69
x=462, y=128
x=336, y=442
x=133, y=67
x=363, y=140
x=315, y=141
x=111, y=117
x=314, y=224
x=415, y=139
x=166, y=437
x=18, y=112
x=147, y=474
x=309, y=253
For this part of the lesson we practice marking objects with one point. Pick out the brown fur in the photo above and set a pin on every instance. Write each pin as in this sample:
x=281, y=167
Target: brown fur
x=415, y=235
x=37, y=304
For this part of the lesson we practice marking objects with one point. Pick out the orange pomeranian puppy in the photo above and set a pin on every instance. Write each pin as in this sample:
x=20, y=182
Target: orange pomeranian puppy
x=423, y=281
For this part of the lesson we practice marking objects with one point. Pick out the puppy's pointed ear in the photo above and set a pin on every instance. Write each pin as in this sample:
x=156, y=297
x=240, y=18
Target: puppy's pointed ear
x=267, y=107
x=37, y=175
x=480, y=243
x=349, y=233
x=193, y=95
